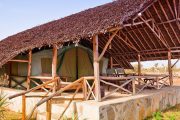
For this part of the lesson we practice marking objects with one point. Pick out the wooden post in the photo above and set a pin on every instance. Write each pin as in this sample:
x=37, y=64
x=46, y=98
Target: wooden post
x=29, y=69
x=139, y=67
x=170, y=69
x=96, y=68
x=54, y=65
x=139, y=64
x=157, y=82
x=9, y=73
x=84, y=89
x=111, y=62
x=48, y=110
x=23, y=107
x=133, y=86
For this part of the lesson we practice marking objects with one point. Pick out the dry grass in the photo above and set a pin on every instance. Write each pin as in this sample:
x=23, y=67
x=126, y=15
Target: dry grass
x=173, y=113
x=9, y=115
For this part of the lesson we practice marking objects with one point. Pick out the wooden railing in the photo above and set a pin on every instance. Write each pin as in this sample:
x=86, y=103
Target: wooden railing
x=23, y=94
x=134, y=84
x=82, y=83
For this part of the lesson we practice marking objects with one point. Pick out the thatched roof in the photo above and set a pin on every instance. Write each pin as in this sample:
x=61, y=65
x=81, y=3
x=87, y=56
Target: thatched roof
x=85, y=24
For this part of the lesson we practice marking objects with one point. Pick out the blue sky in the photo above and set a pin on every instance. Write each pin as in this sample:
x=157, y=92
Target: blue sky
x=19, y=15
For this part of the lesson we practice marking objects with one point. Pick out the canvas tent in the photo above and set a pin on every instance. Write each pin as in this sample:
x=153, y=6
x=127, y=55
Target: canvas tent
x=73, y=63
x=76, y=62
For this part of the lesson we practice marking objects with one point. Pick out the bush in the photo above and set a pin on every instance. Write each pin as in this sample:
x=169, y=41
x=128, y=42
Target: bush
x=157, y=115
x=3, y=104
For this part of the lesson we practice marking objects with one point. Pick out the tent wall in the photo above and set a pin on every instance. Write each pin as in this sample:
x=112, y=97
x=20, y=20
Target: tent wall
x=76, y=63
x=73, y=62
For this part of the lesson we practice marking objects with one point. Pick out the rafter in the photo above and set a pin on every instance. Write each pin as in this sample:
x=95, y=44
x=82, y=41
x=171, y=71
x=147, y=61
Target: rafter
x=175, y=63
x=164, y=12
x=107, y=44
x=178, y=10
x=133, y=39
x=128, y=44
x=158, y=35
x=136, y=23
x=175, y=8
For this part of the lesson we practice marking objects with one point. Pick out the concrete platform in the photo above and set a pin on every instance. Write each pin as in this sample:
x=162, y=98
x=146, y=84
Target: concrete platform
x=135, y=107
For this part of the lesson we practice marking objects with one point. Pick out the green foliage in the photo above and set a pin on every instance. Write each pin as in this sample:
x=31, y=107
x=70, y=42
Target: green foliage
x=3, y=104
x=171, y=113
x=157, y=116
x=172, y=117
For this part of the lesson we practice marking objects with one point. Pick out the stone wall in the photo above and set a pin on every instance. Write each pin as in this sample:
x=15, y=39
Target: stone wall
x=136, y=107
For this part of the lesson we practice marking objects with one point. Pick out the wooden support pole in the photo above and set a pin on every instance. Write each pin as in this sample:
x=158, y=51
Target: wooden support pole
x=111, y=62
x=48, y=110
x=23, y=107
x=9, y=73
x=54, y=65
x=96, y=68
x=139, y=64
x=107, y=44
x=84, y=89
x=133, y=87
x=139, y=67
x=29, y=69
x=170, y=68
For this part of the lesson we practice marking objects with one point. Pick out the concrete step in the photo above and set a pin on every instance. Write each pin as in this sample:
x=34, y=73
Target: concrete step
x=42, y=116
x=57, y=110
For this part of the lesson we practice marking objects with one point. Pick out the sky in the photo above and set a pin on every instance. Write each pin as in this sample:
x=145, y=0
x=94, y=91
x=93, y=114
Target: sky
x=19, y=15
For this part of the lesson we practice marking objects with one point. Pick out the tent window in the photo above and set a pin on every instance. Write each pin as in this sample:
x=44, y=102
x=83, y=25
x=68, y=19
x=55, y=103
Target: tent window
x=46, y=65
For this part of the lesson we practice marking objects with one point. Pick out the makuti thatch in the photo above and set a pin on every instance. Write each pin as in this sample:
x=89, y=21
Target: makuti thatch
x=97, y=20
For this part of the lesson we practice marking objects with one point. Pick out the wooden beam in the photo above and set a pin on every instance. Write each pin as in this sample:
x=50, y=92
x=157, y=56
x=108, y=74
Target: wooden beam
x=48, y=110
x=175, y=8
x=136, y=23
x=29, y=69
x=23, y=107
x=23, y=61
x=128, y=44
x=175, y=63
x=42, y=77
x=107, y=44
x=9, y=73
x=96, y=67
x=169, y=21
x=32, y=89
x=172, y=28
x=178, y=10
x=54, y=64
x=134, y=40
x=144, y=9
x=170, y=69
x=139, y=64
x=154, y=32
x=111, y=62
